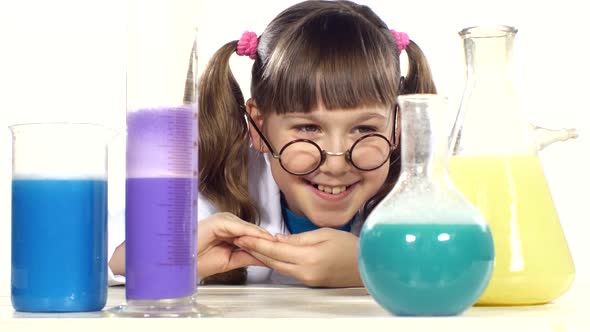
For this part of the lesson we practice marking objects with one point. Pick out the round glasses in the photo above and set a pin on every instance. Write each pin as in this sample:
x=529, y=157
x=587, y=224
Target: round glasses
x=303, y=156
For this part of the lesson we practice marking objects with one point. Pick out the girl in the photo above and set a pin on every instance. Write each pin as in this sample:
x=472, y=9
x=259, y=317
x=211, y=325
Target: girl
x=309, y=155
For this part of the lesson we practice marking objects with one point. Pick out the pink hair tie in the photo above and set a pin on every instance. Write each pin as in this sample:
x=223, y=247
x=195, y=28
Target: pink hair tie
x=401, y=39
x=247, y=44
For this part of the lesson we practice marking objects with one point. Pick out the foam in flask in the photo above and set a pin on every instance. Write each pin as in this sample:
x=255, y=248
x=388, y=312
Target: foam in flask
x=59, y=217
x=425, y=250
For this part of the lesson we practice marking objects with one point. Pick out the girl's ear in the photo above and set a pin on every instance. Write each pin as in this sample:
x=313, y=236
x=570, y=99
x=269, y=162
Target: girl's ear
x=255, y=114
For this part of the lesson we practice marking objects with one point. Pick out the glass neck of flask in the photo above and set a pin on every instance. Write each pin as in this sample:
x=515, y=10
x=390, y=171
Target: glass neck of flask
x=489, y=54
x=424, y=140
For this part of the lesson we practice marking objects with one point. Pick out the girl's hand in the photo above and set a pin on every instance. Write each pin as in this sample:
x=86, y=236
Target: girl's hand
x=215, y=251
x=324, y=257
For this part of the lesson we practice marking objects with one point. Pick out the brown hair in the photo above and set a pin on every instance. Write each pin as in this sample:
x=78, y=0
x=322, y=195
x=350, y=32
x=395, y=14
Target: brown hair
x=336, y=53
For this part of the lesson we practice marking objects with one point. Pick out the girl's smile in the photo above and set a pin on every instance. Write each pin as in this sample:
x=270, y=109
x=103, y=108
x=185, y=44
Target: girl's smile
x=331, y=193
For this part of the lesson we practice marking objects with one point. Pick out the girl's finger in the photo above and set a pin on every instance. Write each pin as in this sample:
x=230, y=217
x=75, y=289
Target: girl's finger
x=242, y=258
x=275, y=250
x=282, y=267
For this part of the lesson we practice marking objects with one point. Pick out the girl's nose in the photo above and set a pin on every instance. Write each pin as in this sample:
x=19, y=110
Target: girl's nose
x=336, y=163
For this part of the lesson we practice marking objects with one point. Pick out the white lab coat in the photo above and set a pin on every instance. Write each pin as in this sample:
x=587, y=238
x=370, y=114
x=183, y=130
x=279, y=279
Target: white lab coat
x=264, y=190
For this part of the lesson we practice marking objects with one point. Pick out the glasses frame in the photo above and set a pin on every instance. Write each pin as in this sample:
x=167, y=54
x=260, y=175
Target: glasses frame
x=324, y=153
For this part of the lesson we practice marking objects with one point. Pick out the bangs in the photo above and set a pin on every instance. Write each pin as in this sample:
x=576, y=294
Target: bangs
x=337, y=60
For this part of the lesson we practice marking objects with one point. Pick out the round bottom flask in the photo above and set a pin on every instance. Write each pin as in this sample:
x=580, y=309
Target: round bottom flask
x=425, y=250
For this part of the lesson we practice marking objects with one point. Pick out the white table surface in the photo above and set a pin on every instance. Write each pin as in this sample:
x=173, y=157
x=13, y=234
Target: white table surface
x=249, y=308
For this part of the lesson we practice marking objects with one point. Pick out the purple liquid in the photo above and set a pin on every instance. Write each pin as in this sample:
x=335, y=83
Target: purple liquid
x=161, y=221
x=160, y=255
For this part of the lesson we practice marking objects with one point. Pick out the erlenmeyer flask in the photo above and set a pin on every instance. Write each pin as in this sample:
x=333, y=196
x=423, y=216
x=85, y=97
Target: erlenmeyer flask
x=494, y=163
x=425, y=250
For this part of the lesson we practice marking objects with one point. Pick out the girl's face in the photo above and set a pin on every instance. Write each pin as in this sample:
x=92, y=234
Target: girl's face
x=333, y=194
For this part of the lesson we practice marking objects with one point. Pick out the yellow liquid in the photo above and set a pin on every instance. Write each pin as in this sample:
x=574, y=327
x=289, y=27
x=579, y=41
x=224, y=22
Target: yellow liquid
x=533, y=262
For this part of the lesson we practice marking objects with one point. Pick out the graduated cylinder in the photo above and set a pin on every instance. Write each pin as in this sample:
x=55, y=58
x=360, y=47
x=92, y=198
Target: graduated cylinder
x=161, y=192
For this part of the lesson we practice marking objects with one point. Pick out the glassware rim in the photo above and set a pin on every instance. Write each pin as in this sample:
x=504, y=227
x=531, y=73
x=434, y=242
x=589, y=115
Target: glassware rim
x=110, y=132
x=421, y=97
x=55, y=124
x=488, y=31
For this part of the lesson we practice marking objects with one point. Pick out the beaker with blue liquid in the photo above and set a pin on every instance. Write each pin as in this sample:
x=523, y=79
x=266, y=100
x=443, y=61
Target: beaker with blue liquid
x=59, y=217
x=425, y=250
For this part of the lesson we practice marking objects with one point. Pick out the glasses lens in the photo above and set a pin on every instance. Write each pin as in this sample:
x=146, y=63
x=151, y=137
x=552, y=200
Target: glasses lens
x=300, y=157
x=370, y=152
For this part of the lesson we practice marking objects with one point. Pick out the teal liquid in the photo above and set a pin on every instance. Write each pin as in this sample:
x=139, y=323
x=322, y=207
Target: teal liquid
x=426, y=269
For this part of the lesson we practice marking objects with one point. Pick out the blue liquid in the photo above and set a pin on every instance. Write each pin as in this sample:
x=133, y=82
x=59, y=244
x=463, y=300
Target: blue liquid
x=434, y=270
x=59, y=249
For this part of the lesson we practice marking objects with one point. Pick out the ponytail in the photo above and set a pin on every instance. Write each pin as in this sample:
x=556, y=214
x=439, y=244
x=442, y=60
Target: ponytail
x=419, y=76
x=223, y=147
x=223, y=139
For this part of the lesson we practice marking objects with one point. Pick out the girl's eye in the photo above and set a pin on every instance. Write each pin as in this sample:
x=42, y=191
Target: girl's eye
x=366, y=129
x=307, y=128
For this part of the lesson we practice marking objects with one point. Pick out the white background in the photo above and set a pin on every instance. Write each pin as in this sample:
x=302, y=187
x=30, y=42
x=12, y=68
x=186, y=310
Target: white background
x=66, y=61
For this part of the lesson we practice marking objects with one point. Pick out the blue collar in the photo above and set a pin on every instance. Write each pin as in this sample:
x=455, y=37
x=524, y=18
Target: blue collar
x=297, y=224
